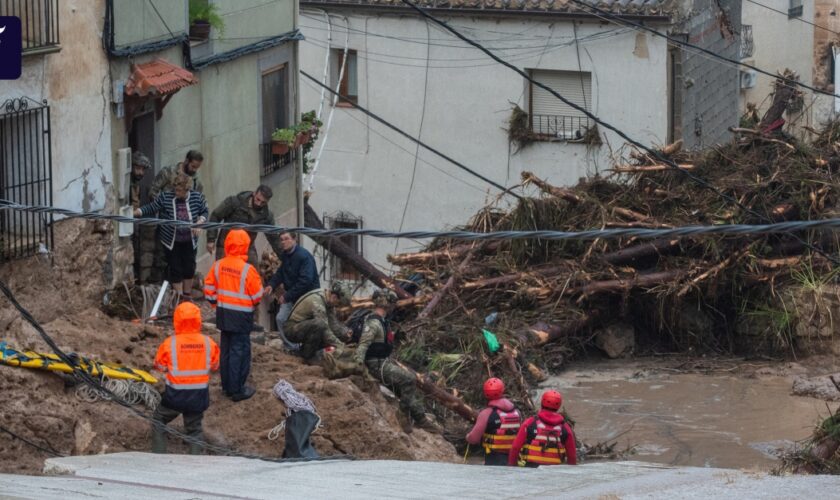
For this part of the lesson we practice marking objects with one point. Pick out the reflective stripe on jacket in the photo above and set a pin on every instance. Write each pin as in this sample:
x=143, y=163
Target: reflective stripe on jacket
x=502, y=427
x=233, y=286
x=544, y=445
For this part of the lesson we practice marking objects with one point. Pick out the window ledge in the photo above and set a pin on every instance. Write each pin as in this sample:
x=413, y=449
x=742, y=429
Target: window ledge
x=344, y=105
x=49, y=49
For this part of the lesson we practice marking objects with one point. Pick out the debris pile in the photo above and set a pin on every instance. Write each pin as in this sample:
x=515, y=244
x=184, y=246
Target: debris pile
x=546, y=301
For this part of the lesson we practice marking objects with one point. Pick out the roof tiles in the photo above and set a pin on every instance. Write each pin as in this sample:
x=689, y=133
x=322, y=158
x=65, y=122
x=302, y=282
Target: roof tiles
x=158, y=78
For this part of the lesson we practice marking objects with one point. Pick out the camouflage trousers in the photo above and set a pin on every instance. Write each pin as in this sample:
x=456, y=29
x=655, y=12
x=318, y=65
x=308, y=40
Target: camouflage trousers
x=312, y=335
x=402, y=382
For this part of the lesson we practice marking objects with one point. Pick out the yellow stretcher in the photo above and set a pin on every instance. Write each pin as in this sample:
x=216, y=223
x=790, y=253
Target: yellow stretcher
x=48, y=361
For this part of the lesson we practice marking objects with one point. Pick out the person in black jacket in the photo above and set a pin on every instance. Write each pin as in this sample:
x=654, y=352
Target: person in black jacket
x=179, y=244
x=297, y=273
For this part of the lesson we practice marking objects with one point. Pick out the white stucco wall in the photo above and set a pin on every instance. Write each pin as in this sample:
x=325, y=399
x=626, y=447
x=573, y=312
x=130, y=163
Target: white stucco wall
x=74, y=82
x=366, y=169
x=780, y=43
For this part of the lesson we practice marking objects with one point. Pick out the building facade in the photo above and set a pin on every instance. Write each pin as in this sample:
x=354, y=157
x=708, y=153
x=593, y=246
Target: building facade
x=456, y=99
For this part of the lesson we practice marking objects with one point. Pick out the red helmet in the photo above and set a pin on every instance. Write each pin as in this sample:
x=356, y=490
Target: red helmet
x=494, y=388
x=552, y=400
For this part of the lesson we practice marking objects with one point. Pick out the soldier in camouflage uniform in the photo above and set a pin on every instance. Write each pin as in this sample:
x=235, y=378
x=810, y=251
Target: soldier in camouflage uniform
x=165, y=179
x=249, y=207
x=374, y=350
x=312, y=322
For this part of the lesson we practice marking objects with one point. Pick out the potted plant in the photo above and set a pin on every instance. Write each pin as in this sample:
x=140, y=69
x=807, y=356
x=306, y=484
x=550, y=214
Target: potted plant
x=307, y=128
x=203, y=16
x=282, y=140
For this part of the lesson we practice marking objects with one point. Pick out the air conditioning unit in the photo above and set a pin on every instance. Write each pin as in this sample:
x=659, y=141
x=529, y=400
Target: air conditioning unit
x=748, y=79
x=122, y=173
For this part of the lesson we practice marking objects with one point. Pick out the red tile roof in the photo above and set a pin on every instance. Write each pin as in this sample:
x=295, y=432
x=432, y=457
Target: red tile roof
x=158, y=78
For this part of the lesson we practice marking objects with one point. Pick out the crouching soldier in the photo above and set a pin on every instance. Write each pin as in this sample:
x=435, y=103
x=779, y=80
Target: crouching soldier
x=497, y=425
x=374, y=350
x=546, y=439
x=312, y=322
x=187, y=358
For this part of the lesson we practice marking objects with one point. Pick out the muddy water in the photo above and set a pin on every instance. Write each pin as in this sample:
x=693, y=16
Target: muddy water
x=688, y=419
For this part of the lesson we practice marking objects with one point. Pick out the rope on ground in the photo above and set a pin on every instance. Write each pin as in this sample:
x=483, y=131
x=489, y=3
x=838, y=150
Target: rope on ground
x=132, y=392
x=294, y=402
x=590, y=234
x=22, y=439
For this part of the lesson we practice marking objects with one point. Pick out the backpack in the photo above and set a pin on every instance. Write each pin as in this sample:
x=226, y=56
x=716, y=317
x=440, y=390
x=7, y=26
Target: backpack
x=356, y=323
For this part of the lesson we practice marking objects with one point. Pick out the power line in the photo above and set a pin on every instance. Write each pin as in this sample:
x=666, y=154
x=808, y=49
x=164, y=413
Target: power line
x=653, y=153
x=606, y=15
x=413, y=139
x=157, y=12
x=797, y=18
x=31, y=443
x=545, y=234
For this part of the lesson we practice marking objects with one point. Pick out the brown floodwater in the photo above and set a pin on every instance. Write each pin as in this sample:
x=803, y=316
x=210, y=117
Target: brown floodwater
x=716, y=420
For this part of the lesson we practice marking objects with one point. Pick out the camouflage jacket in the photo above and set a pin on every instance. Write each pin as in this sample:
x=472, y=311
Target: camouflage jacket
x=236, y=209
x=313, y=305
x=166, y=177
x=372, y=333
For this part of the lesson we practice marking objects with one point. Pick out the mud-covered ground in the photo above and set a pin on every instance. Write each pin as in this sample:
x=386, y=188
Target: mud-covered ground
x=64, y=294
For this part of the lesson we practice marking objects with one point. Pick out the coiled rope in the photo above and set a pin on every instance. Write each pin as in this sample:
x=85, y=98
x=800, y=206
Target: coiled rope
x=294, y=402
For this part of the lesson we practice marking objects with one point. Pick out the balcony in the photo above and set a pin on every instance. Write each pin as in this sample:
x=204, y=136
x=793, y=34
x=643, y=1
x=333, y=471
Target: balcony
x=270, y=162
x=550, y=127
x=39, y=23
x=747, y=46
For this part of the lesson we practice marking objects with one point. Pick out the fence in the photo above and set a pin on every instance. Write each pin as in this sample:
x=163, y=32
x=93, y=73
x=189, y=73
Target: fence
x=39, y=22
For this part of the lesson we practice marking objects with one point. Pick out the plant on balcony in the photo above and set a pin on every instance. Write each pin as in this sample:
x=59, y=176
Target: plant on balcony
x=203, y=16
x=519, y=129
x=303, y=134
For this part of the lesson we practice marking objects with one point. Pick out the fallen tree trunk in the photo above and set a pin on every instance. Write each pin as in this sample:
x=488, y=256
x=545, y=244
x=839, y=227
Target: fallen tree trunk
x=543, y=334
x=637, y=169
x=436, y=298
x=408, y=259
x=512, y=278
x=622, y=285
x=509, y=356
x=368, y=303
x=564, y=193
x=349, y=255
x=642, y=251
x=447, y=399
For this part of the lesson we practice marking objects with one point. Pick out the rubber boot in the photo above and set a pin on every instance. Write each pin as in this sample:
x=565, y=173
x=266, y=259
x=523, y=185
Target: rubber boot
x=196, y=449
x=428, y=424
x=158, y=441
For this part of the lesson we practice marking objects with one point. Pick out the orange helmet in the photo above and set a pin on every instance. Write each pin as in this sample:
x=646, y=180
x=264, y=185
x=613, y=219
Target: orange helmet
x=494, y=388
x=552, y=400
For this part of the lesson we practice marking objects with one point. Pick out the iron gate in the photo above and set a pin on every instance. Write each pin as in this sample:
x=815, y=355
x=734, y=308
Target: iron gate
x=25, y=177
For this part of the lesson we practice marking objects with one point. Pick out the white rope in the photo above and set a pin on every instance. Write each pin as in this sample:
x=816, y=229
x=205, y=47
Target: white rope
x=294, y=402
x=326, y=63
x=132, y=391
x=311, y=181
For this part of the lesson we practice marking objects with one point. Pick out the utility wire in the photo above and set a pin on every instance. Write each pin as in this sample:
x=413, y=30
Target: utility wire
x=157, y=12
x=589, y=234
x=606, y=15
x=31, y=443
x=412, y=138
x=85, y=377
x=798, y=18
x=652, y=152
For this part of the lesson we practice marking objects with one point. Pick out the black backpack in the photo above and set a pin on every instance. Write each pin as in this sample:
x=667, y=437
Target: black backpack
x=356, y=323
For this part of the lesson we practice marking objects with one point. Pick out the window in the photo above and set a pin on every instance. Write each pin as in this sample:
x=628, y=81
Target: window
x=747, y=46
x=795, y=9
x=339, y=268
x=551, y=118
x=275, y=114
x=25, y=177
x=349, y=82
x=39, y=23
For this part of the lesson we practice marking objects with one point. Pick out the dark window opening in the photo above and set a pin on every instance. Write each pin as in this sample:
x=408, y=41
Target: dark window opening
x=349, y=86
x=339, y=268
x=275, y=114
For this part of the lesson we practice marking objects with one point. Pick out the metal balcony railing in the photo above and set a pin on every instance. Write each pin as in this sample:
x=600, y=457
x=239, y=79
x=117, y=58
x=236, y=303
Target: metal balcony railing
x=39, y=22
x=271, y=162
x=560, y=127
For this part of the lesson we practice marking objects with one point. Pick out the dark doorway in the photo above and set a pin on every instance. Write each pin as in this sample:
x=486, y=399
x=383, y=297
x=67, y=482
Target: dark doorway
x=142, y=138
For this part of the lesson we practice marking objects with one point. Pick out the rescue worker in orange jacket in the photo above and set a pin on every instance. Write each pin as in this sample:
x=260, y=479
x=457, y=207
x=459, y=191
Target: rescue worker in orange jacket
x=546, y=439
x=497, y=425
x=187, y=358
x=234, y=288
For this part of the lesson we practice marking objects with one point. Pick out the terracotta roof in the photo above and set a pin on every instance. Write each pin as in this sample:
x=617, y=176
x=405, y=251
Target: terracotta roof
x=623, y=7
x=158, y=78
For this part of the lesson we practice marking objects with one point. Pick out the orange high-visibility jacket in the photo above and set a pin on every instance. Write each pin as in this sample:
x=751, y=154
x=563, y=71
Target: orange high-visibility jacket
x=233, y=286
x=187, y=357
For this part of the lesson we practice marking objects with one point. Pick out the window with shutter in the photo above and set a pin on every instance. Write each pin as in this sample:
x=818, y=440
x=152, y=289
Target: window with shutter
x=551, y=117
x=349, y=83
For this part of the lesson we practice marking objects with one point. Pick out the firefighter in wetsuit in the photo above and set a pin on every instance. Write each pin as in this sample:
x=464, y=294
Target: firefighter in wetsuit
x=545, y=439
x=496, y=425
